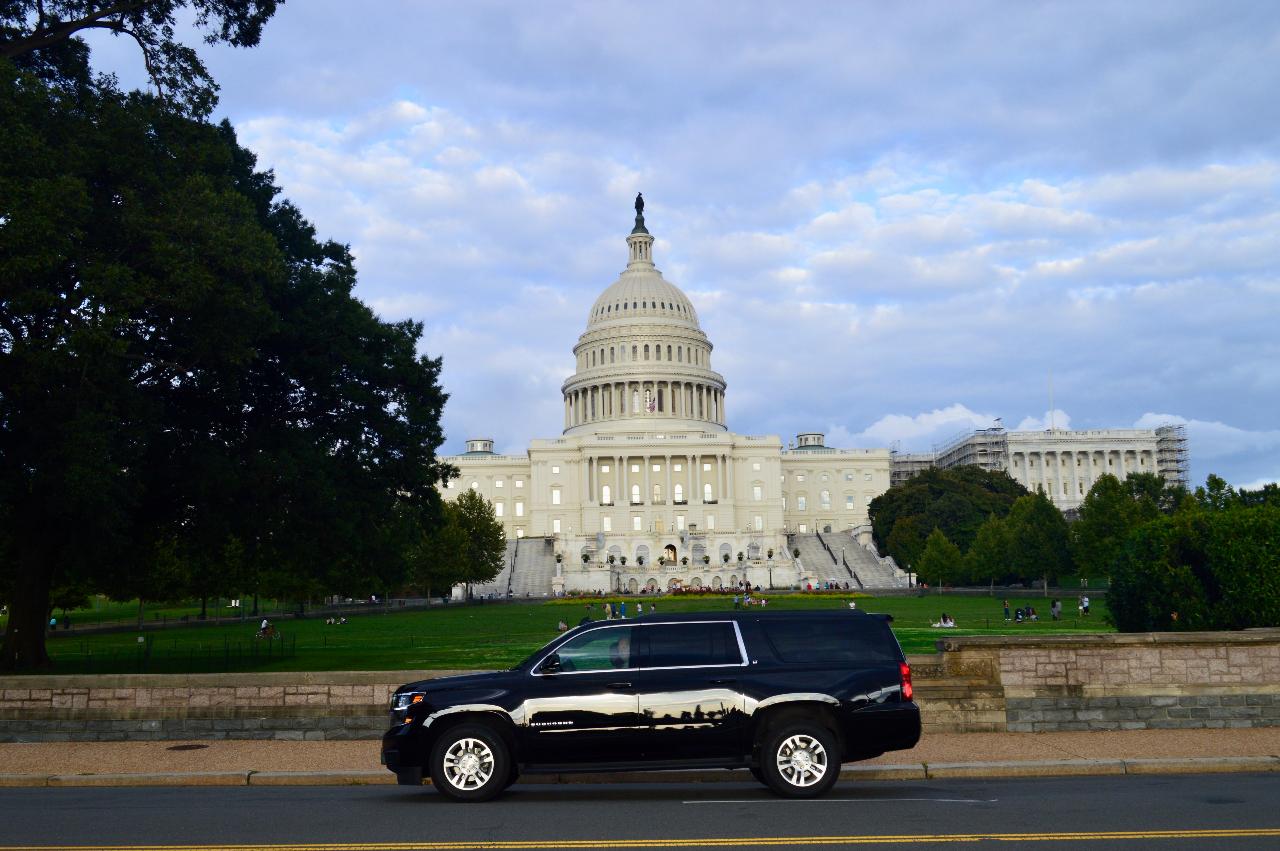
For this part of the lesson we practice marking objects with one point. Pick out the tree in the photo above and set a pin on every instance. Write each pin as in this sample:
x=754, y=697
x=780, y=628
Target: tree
x=1197, y=570
x=1107, y=515
x=185, y=372
x=906, y=542
x=957, y=501
x=433, y=561
x=989, y=556
x=34, y=31
x=484, y=542
x=1038, y=535
x=941, y=560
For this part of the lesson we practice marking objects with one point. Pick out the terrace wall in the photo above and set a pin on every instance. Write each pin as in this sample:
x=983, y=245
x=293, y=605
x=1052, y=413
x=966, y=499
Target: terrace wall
x=1020, y=684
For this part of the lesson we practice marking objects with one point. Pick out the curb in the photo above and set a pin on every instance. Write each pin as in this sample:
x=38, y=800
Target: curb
x=908, y=771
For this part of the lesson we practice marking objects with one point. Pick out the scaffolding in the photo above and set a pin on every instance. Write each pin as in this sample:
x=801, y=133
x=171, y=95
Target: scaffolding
x=1171, y=454
x=987, y=448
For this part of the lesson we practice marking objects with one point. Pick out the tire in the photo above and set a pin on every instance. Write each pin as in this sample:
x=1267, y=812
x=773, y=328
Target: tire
x=470, y=763
x=512, y=776
x=800, y=760
x=758, y=775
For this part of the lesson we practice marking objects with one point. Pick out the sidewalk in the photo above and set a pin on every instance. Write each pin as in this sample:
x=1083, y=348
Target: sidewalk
x=224, y=762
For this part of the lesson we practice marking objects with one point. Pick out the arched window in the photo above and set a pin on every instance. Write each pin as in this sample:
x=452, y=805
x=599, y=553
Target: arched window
x=645, y=305
x=677, y=492
x=706, y=492
x=602, y=355
x=605, y=495
x=611, y=354
x=668, y=353
x=593, y=358
x=635, y=494
x=646, y=351
x=657, y=494
x=633, y=353
x=679, y=354
x=657, y=352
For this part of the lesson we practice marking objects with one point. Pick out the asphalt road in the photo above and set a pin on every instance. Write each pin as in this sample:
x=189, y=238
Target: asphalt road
x=1163, y=812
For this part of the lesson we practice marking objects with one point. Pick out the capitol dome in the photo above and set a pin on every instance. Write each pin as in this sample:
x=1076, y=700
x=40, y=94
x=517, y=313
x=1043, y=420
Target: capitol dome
x=643, y=358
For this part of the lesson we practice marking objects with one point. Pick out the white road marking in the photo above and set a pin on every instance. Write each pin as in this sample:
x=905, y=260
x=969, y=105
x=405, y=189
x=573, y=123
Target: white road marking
x=843, y=800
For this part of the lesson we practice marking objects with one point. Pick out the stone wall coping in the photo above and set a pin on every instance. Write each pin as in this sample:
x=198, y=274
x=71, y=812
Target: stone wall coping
x=229, y=680
x=1247, y=636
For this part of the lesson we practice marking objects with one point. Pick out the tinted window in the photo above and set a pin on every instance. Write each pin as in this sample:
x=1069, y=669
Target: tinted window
x=831, y=640
x=682, y=644
x=598, y=650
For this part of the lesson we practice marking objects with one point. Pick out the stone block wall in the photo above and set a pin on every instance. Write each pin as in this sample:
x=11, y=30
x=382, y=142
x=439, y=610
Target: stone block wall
x=974, y=684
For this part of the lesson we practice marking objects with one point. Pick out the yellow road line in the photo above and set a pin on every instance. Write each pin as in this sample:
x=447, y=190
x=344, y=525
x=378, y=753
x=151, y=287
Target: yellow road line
x=713, y=842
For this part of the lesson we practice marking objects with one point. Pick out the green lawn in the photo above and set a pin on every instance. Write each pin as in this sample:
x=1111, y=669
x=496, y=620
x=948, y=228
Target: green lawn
x=487, y=636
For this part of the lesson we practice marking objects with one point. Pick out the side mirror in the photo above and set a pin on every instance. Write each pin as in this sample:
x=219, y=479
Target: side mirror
x=550, y=665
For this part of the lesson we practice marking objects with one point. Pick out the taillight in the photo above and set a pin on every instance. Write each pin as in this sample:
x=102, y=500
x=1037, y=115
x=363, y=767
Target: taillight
x=905, y=670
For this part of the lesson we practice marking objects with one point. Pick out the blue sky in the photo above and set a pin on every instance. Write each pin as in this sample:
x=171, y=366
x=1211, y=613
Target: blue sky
x=896, y=221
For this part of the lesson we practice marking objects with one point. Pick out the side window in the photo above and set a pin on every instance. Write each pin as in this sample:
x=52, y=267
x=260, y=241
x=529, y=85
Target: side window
x=838, y=642
x=598, y=650
x=681, y=645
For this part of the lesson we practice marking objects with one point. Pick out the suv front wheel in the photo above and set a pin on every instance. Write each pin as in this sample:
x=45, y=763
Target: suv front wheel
x=800, y=760
x=470, y=762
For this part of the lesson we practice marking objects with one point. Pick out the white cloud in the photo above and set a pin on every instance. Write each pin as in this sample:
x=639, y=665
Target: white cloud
x=1056, y=418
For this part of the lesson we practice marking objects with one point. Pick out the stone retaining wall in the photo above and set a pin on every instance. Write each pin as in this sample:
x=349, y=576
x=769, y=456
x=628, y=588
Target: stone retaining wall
x=987, y=684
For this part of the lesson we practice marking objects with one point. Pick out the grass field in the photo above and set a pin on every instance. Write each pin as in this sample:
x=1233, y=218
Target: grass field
x=487, y=636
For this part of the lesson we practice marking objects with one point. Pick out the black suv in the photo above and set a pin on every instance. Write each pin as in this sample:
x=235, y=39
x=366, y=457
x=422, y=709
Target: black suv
x=789, y=695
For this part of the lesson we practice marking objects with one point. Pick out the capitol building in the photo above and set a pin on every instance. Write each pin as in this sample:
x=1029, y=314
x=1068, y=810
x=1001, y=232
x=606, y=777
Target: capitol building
x=648, y=489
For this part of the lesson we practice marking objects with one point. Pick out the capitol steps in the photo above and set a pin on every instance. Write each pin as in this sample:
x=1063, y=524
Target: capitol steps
x=535, y=568
x=500, y=583
x=816, y=564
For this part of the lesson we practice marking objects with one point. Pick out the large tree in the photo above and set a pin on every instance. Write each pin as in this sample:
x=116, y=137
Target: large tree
x=957, y=501
x=941, y=562
x=1038, y=540
x=39, y=30
x=184, y=370
x=485, y=543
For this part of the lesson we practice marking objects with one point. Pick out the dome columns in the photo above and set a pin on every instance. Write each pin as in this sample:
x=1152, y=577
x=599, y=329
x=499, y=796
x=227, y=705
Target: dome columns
x=648, y=398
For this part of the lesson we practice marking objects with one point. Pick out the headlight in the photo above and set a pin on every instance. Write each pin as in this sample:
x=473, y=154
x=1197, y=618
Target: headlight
x=406, y=699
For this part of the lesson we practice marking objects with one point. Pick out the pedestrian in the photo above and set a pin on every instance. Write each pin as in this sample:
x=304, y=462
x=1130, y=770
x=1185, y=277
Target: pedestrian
x=608, y=611
x=1084, y=604
x=1006, y=610
x=1055, y=608
x=737, y=601
x=623, y=609
x=1080, y=606
x=653, y=608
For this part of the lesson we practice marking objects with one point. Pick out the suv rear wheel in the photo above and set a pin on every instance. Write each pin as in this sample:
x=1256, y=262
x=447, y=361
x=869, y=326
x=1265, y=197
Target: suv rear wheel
x=800, y=760
x=470, y=762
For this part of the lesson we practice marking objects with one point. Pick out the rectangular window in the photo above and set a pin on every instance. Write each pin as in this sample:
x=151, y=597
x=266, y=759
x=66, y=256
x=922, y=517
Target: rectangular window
x=755, y=465
x=848, y=477
x=519, y=483
x=686, y=645
x=635, y=468
x=519, y=531
x=711, y=521
x=555, y=525
x=499, y=483
x=657, y=468
x=706, y=467
x=866, y=477
x=519, y=509
x=555, y=471
x=555, y=496
x=784, y=503
x=606, y=524
x=635, y=523
x=757, y=492
x=846, y=641
x=868, y=502
x=679, y=522
x=848, y=503
x=799, y=477
x=759, y=523
x=498, y=509
x=604, y=468
x=803, y=528
x=677, y=467
x=802, y=503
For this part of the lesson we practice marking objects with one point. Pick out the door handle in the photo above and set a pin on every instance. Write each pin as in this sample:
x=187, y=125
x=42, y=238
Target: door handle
x=619, y=685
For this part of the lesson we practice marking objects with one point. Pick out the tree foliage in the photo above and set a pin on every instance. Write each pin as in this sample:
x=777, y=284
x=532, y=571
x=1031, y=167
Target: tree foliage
x=186, y=378
x=957, y=501
x=1038, y=532
x=1207, y=568
x=484, y=542
x=941, y=562
x=37, y=34
x=989, y=558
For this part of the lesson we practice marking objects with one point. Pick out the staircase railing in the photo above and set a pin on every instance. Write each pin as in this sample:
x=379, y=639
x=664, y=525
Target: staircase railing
x=511, y=574
x=834, y=560
x=852, y=573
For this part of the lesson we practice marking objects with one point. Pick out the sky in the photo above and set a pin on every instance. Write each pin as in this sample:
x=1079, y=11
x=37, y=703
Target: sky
x=896, y=221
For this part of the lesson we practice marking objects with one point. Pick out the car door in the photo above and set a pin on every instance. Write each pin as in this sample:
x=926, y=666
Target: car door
x=587, y=711
x=689, y=690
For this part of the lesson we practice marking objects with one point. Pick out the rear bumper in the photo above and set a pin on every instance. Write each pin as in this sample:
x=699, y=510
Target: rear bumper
x=872, y=731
